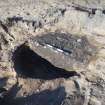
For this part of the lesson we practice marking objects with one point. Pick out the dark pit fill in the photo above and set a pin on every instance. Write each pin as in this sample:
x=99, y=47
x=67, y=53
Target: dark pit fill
x=27, y=63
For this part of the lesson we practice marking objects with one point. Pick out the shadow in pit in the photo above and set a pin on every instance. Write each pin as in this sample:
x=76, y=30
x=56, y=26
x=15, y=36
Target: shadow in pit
x=27, y=63
x=46, y=97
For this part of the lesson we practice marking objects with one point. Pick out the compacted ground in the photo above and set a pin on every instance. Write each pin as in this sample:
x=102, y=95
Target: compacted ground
x=52, y=52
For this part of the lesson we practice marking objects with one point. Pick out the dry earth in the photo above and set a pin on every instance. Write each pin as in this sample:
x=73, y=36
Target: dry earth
x=52, y=52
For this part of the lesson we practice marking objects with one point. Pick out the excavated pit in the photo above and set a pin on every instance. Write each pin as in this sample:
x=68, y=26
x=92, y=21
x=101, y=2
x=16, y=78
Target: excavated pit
x=27, y=63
